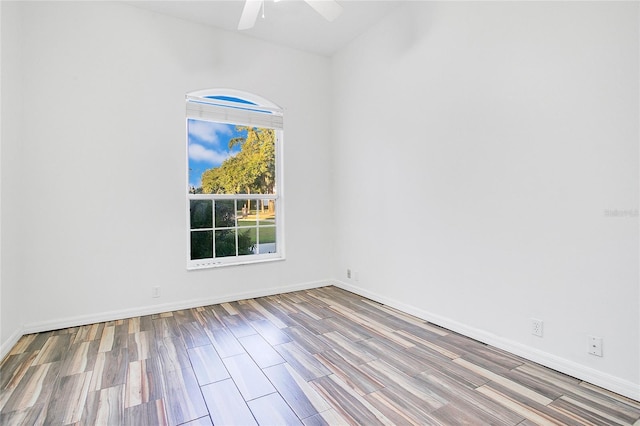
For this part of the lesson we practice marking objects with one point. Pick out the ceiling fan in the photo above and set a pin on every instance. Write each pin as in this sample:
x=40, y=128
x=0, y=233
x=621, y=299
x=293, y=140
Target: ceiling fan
x=329, y=9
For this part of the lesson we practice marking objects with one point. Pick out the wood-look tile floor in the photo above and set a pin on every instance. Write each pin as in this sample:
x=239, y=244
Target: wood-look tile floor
x=316, y=357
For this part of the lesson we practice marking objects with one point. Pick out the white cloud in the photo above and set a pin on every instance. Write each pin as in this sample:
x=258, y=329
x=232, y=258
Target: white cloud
x=200, y=153
x=208, y=132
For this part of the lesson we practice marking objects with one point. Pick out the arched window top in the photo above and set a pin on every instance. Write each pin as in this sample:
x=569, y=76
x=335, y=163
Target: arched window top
x=234, y=106
x=234, y=96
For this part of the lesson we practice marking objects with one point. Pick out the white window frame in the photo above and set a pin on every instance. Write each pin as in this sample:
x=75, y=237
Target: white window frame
x=263, y=114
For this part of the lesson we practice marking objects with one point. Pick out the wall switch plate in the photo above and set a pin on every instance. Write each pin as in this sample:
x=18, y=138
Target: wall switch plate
x=595, y=345
x=536, y=327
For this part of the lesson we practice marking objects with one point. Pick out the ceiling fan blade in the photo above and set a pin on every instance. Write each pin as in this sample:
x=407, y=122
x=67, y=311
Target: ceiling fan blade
x=329, y=9
x=249, y=14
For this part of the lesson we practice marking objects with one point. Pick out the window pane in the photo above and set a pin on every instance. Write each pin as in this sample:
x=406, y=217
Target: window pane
x=201, y=245
x=208, y=149
x=267, y=213
x=226, y=243
x=246, y=212
x=228, y=158
x=267, y=234
x=267, y=239
x=246, y=241
x=201, y=214
x=225, y=214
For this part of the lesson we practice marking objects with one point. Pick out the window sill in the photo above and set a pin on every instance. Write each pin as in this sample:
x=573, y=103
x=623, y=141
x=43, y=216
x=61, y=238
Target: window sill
x=196, y=266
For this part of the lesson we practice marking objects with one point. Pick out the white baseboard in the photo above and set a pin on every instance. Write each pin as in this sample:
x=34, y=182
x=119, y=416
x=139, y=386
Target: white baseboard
x=579, y=371
x=37, y=327
x=6, y=346
x=165, y=307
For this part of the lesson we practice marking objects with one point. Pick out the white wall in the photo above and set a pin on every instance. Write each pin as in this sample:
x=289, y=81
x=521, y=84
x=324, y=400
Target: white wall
x=11, y=291
x=1, y=310
x=99, y=167
x=477, y=147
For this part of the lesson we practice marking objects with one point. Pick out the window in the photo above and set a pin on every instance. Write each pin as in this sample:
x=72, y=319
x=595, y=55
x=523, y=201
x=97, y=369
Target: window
x=234, y=191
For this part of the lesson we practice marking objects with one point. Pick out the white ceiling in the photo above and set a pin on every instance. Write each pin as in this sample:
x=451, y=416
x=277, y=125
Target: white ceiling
x=291, y=23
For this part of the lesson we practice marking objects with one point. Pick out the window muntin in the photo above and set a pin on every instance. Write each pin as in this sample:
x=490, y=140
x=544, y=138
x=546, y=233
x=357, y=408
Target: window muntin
x=234, y=180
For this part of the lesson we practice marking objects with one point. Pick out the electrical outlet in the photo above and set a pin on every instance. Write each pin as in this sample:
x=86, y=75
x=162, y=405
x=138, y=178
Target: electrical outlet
x=155, y=291
x=536, y=327
x=595, y=345
x=349, y=273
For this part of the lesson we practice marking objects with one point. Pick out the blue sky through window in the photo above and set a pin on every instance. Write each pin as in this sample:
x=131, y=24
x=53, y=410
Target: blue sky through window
x=209, y=146
x=231, y=99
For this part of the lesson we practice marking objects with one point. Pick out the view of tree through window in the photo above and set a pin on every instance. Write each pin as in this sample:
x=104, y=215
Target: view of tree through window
x=232, y=190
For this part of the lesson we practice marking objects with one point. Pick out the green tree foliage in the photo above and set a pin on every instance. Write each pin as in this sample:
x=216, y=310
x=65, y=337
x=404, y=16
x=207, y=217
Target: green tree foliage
x=250, y=171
